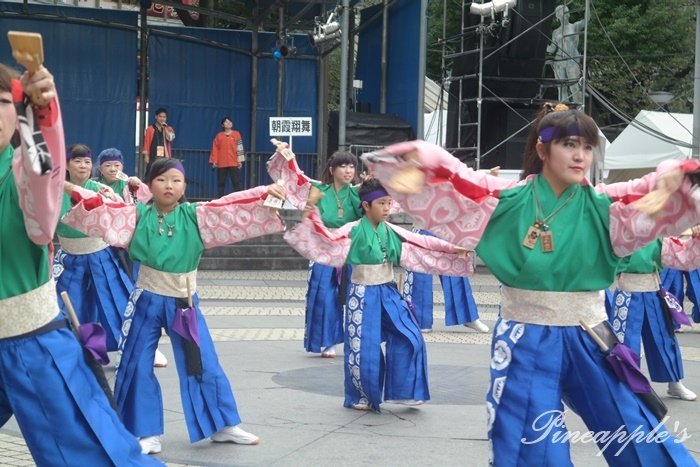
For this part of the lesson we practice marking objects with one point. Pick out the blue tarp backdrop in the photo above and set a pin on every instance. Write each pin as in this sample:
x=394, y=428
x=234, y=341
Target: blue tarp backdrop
x=93, y=54
x=402, y=60
x=97, y=86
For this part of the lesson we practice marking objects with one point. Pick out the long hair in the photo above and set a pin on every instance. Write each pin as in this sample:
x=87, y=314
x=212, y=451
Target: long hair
x=338, y=158
x=563, y=122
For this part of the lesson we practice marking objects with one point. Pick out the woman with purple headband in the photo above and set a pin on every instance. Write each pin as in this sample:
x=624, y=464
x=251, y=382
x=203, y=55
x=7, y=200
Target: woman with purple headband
x=554, y=243
x=167, y=237
x=375, y=311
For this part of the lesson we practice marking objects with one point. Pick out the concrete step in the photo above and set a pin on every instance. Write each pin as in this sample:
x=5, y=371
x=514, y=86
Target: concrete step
x=255, y=263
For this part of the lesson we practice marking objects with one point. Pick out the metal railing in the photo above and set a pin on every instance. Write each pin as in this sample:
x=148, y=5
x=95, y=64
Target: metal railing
x=201, y=176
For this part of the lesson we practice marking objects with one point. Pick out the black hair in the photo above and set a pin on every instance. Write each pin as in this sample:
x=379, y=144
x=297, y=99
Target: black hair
x=7, y=74
x=562, y=121
x=368, y=186
x=161, y=110
x=77, y=150
x=159, y=167
x=224, y=119
x=338, y=158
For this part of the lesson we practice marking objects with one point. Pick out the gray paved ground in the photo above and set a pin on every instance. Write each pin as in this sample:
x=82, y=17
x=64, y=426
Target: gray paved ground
x=293, y=400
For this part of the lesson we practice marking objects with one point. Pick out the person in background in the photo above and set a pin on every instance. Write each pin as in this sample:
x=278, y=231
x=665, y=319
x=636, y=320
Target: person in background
x=158, y=139
x=227, y=156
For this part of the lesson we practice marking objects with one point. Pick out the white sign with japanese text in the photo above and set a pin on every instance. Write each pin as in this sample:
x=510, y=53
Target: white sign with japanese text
x=290, y=126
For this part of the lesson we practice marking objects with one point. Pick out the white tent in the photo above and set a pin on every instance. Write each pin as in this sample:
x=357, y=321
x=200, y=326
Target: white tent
x=637, y=149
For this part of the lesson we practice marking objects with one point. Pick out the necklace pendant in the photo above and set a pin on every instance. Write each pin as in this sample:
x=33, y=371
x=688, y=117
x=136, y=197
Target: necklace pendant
x=530, y=240
x=547, y=241
x=160, y=230
x=340, y=212
x=170, y=231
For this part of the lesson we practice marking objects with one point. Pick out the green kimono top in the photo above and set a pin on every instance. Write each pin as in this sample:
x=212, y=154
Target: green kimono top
x=347, y=199
x=24, y=265
x=582, y=258
x=152, y=245
x=646, y=260
x=117, y=185
x=69, y=232
x=369, y=245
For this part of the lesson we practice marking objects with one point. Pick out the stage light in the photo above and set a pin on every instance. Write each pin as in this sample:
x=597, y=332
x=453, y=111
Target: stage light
x=326, y=31
x=491, y=8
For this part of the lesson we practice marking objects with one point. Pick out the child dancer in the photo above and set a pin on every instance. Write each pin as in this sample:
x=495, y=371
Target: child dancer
x=554, y=244
x=167, y=237
x=110, y=163
x=375, y=310
x=638, y=313
x=60, y=408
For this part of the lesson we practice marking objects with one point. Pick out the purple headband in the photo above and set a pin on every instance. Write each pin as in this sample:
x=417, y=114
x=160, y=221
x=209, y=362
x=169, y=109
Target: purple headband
x=552, y=133
x=180, y=167
x=110, y=155
x=372, y=195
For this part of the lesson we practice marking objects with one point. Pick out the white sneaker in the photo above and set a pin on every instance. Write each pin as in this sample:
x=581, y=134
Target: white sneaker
x=234, y=434
x=679, y=391
x=160, y=361
x=328, y=352
x=360, y=406
x=477, y=325
x=150, y=445
x=408, y=402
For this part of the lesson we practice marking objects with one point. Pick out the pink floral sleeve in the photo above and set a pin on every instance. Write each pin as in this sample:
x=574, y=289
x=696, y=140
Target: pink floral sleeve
x=296, y=184
x=631, y=229
x=680, y=253
x=313, y=240
x=455, y=203
x=141, y=195
x=431, y=255
x=40, y=195
x=113, y=222
x=236, y=217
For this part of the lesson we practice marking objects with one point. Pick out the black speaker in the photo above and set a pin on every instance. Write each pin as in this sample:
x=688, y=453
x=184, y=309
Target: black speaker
x=511, y=74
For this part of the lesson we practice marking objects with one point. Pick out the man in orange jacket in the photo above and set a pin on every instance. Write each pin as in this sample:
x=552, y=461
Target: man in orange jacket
x=158, y=138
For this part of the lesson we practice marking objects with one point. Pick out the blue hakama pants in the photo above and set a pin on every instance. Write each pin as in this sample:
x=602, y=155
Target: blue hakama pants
x=377, y=314
x=460, y=307
x=323, y=325
x=64, y=415
x=207, y=400
x=533, y=369
x=639, y=317
x=98, y=288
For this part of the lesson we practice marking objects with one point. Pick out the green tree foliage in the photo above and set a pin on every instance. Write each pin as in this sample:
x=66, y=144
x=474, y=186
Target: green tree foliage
x=635, y=47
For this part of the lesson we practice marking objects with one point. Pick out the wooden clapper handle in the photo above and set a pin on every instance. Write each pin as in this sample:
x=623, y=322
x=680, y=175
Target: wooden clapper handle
x=28, y=51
